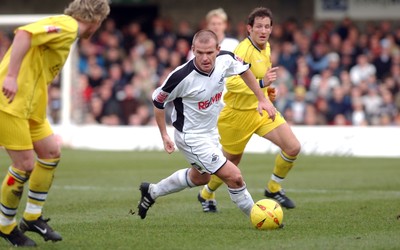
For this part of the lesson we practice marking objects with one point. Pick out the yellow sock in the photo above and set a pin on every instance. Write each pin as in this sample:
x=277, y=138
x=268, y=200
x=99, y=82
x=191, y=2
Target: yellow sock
x=208, y=190
x=283, y=164
x=11, y=192
x=39, y=185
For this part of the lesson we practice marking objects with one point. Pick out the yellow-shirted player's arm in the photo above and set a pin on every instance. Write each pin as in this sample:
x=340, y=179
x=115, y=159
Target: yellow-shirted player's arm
x=20, y=46
x=263, y=102
x=269, y=77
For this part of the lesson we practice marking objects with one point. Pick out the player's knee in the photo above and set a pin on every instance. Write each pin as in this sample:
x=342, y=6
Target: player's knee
x=294, y=149
x=26, y=164
x=56, y=153
x=53, y=153
x=200, y=179
x=236, y=181
x=48, y=148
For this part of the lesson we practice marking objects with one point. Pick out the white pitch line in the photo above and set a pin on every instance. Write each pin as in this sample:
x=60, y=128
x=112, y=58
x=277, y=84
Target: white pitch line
x=93, y=188
x=258, y=190
x=333, y=191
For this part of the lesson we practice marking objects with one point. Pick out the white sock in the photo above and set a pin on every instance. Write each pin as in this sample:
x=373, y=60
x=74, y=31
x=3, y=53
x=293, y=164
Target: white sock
x=33, y=208
x=277, y=179
x=242, y=198
x=4, y=221
x=172, y=184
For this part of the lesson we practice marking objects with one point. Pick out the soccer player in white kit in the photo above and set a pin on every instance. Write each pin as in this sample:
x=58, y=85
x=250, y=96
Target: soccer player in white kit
x=195, y=88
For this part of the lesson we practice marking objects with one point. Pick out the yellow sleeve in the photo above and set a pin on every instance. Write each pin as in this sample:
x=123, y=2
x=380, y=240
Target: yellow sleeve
x=52, y=31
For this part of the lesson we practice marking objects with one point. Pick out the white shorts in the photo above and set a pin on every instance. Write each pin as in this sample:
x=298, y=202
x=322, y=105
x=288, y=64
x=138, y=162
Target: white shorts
x=202, y=151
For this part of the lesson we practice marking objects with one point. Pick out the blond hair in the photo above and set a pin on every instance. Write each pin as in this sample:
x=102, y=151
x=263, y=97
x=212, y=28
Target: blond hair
x=88, y=10
x=217, y=12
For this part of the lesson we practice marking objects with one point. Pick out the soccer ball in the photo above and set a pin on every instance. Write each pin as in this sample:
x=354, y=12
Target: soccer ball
x=266, y=214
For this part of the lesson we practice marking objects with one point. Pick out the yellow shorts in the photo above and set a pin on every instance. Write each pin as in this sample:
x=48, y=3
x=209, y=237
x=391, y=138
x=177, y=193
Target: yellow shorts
x=19, y=134
x=237, y=126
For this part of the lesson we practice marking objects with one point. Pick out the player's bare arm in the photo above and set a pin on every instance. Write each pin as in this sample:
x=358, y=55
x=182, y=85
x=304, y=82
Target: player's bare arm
x=263, y=102
x=169, y=145
x=21, y=45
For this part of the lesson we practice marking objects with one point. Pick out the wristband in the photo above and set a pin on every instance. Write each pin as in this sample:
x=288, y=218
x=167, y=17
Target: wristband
x=261, y=82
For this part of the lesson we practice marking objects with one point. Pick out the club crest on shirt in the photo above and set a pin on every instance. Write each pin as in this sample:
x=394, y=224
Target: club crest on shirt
x=161, y=97
x=55, y=69
x=52, y=29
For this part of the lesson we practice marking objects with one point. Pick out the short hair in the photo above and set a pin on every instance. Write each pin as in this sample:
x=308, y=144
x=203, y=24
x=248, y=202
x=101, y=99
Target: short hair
x=259, y=12
x=217, y=12
x=88, y=10
x=204, y=36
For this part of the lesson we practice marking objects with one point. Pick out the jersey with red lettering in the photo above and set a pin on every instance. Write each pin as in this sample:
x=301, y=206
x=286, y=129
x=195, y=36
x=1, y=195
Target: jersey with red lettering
x=197, y=95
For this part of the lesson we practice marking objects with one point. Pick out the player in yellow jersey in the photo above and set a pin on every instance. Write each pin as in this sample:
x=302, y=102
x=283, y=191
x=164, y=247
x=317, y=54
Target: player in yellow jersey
x=35, y=57
x=239, y=119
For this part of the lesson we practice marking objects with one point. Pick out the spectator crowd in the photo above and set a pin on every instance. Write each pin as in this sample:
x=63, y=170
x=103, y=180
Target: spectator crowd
x=330, y=73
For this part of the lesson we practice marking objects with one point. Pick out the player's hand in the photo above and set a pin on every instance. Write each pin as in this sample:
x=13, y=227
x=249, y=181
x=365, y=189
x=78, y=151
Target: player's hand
x=169, y=145
x=271, y=93
x=270, y=76
x=10, y=88
x=268, y=107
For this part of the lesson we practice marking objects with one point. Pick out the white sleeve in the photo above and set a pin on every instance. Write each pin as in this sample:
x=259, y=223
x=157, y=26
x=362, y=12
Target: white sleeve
x=166, y=93
x=237, y=66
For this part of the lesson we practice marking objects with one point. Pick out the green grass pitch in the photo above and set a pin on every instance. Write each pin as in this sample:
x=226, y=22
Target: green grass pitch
x=342, y=203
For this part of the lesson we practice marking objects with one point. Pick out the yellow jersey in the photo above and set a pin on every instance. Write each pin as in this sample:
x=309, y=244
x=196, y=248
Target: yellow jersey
x=239, y=95
x=51, y=42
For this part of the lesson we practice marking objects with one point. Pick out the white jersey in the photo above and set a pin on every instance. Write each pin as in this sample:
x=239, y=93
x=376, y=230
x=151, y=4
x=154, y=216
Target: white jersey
x=197, y=95
x=229, y=44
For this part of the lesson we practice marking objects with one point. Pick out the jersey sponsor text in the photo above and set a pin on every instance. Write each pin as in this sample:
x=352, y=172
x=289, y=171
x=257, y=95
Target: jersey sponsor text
x=207, y=103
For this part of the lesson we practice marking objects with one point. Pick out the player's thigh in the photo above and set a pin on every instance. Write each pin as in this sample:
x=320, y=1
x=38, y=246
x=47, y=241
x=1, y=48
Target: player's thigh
x=231, y=175
x=235, y=129
x=202, y=151
x=198, y=178
x=268, y=127
x=284, y=138
x=14, y=132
